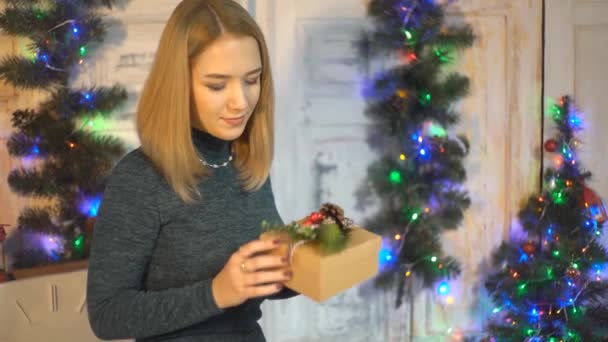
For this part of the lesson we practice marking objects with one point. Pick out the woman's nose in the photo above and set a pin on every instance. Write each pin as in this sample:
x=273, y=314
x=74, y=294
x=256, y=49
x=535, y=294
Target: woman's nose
x=237, y=100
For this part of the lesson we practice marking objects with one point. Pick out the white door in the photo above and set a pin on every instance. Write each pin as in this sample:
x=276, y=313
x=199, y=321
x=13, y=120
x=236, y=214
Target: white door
x=321, y=153
x=575, y=59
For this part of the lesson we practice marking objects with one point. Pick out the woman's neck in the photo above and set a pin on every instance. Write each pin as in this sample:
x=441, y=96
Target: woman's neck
x=213, y=149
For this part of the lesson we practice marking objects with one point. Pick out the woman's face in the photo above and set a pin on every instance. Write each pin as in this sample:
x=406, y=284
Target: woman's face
x=226, y=86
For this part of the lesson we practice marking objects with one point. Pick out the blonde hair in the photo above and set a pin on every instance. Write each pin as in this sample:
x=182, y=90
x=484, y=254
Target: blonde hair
x=163, y=113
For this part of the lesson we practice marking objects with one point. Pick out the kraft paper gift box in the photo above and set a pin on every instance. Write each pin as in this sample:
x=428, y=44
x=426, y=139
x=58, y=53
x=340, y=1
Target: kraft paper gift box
x=321, y=275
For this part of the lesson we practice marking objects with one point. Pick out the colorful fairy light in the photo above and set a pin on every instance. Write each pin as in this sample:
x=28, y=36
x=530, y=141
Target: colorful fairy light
x=395, y=177
x=90, y=205
x=443, y=288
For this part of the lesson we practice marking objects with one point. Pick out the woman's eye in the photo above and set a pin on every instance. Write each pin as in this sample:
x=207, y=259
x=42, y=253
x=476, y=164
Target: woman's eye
x=215, y=87
x=252, y=82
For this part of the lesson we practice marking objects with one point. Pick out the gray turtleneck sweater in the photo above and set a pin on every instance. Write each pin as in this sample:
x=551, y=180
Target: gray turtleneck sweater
x=153, y=257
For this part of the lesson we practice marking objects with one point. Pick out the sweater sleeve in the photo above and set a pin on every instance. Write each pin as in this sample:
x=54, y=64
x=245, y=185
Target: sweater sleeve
x=124, y=238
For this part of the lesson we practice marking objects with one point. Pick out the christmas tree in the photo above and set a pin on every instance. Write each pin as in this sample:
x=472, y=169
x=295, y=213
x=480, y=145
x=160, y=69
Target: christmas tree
x=65, y=157
x=418, y=180
x=547, y=285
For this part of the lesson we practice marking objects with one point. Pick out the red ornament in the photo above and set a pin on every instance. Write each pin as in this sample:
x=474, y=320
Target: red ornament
x=316, y=217
x=551, y=145
x=529, y=247
x=593, y=203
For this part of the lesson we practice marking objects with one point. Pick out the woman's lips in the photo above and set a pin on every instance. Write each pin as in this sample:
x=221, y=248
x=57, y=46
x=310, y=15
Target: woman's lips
x=234, y=121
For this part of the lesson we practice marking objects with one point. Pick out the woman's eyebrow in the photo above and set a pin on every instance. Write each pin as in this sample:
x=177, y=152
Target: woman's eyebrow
x=220, y=76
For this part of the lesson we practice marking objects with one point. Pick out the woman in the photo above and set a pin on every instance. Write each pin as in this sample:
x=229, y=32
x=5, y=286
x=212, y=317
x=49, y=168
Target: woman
x=175, y=253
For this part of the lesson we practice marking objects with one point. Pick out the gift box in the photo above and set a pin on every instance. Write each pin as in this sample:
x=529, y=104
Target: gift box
x=320, y=274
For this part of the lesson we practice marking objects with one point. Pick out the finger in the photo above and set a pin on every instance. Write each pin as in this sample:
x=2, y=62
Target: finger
x=262, y=290
x=264, y=262
x=259, y=246
x=265, y=277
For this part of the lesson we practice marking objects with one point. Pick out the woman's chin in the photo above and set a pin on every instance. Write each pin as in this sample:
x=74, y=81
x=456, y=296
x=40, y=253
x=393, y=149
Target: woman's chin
x=230, y=134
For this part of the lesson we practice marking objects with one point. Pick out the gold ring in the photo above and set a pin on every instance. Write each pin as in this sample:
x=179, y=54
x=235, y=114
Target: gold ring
x=243, y=267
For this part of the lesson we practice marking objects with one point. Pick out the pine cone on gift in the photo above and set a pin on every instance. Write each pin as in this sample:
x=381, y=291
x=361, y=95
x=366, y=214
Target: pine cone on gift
x=336, y=213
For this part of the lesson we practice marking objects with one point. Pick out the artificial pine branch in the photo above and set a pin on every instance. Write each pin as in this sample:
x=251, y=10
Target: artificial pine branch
x=66, y=162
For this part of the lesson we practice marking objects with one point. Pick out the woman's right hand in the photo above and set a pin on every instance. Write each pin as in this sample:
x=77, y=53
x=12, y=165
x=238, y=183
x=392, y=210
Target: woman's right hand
x=251, y=272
